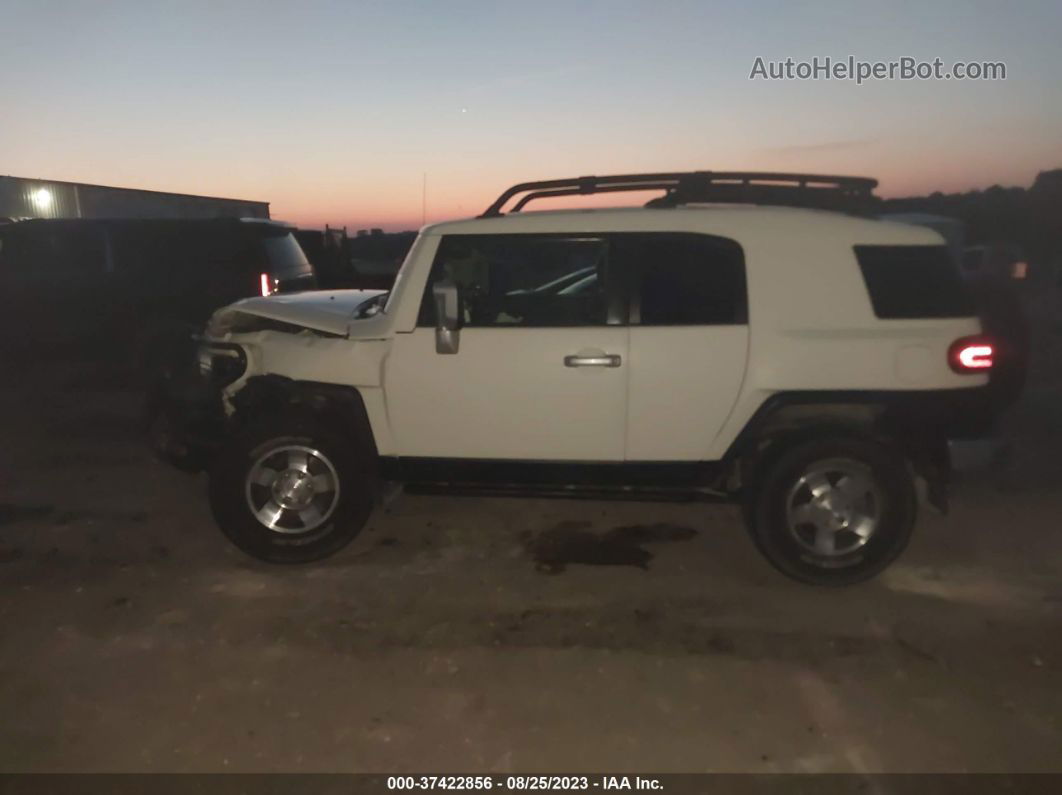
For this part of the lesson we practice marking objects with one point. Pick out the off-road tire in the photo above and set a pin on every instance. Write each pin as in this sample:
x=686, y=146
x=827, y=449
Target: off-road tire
x=766, y=511
x=229, y=499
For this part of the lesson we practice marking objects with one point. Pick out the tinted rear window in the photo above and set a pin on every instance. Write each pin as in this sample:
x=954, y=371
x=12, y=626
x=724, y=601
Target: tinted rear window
x=913, y=282
x=286, y=257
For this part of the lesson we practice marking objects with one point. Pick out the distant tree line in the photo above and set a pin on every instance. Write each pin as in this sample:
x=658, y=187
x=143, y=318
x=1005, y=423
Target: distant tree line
x=1031, y=217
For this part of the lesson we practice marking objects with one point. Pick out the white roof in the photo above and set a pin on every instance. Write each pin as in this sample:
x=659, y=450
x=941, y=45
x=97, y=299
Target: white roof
x=740, y=222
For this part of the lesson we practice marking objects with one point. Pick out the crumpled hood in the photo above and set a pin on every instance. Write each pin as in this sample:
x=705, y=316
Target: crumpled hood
x=329, y=311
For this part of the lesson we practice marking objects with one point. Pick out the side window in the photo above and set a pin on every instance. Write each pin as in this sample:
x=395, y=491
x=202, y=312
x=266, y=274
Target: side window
x=523, y=280
x=683, y=279
x=913, y=282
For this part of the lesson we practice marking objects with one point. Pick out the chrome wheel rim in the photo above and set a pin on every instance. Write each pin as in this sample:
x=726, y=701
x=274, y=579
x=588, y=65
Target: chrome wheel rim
x=292, y=489
x=834, y=508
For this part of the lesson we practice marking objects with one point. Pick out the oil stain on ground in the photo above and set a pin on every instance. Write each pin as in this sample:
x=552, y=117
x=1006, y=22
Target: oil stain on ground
x=572, y=542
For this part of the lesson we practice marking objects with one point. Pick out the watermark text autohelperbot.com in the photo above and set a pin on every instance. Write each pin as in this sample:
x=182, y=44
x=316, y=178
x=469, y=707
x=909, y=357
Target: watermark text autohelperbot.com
x=852, y=68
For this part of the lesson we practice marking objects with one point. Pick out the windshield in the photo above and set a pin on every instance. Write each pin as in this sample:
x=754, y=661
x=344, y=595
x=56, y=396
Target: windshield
x=286, y=257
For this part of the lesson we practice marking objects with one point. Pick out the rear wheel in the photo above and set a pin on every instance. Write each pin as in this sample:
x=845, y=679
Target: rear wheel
x=833, y=511
x=287, y=491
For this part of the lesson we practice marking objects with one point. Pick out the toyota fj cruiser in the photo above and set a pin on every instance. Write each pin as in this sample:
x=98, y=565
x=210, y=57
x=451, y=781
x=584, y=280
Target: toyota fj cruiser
x=744, y=335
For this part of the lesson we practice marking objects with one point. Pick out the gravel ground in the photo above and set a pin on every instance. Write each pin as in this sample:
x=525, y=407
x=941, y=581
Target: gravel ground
x=134, y=639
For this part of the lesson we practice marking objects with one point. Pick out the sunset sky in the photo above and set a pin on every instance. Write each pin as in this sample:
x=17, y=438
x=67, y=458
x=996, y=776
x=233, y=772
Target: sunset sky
x=334, y=111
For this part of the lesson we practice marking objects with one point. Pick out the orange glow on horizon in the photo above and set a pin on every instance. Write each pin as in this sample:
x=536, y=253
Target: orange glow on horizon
x=399, y=215
x=362, y=195
x=338, y=113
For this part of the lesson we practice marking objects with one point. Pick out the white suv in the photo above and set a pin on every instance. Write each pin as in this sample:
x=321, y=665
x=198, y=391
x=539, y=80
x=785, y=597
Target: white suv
x=812, y=363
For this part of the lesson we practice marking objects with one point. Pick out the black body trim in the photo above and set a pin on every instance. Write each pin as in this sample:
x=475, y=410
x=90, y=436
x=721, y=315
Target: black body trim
x=556, y=492
x=919, y=421
x=339, y=403
x=697, y=474
x=638, y=481
x=945, y=413
x=195, y=425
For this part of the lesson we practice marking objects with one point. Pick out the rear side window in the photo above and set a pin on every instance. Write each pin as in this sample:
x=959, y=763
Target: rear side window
x=913, y=282
x=683, y=279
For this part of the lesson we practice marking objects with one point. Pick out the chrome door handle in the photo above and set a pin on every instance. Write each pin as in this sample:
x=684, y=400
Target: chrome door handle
x=602, y=360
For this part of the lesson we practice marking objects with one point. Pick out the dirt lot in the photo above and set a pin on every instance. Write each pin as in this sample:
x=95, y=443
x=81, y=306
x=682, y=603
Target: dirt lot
x=135, y=639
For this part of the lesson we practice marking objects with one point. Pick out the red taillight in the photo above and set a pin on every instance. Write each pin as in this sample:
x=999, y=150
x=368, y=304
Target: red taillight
x=267, y=284
x=971, y=355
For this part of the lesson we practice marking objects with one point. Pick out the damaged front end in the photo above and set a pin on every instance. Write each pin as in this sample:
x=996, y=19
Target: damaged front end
x=325, y=313
x=186, y=416
x=189, y=405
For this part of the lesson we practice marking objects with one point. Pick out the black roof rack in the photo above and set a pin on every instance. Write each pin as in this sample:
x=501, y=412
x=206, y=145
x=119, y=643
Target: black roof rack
x=850, y=194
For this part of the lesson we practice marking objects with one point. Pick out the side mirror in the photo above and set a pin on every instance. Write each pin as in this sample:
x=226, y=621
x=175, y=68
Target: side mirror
x=448, y=315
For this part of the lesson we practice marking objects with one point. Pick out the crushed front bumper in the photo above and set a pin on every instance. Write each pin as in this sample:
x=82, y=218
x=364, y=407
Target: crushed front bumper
x=184, y=413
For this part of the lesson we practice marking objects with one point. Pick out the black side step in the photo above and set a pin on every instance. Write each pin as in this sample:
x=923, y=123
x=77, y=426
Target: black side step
x=573, y=492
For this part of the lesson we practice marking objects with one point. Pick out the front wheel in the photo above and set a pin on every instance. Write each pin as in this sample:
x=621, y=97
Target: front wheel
x=833, y=511
x=287, y=491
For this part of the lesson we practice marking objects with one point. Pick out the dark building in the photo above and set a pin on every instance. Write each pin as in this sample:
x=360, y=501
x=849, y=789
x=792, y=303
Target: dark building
x=21, y=197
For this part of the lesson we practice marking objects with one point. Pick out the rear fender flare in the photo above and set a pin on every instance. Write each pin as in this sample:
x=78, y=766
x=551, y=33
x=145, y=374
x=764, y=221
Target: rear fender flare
x=895, y=420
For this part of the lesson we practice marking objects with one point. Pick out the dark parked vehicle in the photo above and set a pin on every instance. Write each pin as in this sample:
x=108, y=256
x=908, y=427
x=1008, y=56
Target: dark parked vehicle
x=327, y=252
x=992, y=273
x=127, y=289
x=1001, y=261
x=368, y=261
x=995, y=272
